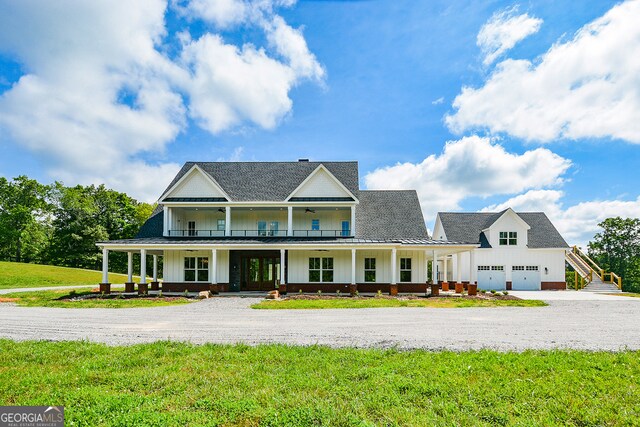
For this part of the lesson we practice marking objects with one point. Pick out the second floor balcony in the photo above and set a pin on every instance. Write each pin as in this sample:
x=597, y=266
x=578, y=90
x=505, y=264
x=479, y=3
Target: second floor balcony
x=259, y=222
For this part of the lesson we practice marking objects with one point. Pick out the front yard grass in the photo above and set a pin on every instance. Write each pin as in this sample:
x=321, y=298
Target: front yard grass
x=14, y=275
x=65, y=299
x=627, y=294
x=168, y=383
x=446, y=302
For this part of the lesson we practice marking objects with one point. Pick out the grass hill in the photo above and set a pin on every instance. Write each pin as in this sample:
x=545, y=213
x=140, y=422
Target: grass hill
x=21, y=275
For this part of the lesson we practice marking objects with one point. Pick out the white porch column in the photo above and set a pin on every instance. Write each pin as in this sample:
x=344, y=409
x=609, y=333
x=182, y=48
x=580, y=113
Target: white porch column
x=213, y=276
x=352, y=224
x=434, y=268
x=165, y=221
x=472, y=267
x=155, y=268
x=129, y=267
x=393, y=267
x=105, y=265
x=283, y=257
x=458, y=277
x=444, y=268
x=289, y=221
x=353, y=266
x=143, y=266
x=227, y=221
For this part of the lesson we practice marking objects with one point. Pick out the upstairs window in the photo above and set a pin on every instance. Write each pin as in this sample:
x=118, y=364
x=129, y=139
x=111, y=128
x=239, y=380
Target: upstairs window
x=315, y=225
x=369, y=269
x=508, y=238
x=345, y=229
x=262, y=228
x=221, y=225
x=191, y=227
x=273, y=228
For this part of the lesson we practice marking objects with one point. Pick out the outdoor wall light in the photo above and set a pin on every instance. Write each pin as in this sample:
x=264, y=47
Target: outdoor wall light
x=546, y=270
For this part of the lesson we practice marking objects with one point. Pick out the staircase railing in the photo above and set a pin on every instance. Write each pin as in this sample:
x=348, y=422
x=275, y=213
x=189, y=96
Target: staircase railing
x=594, y=268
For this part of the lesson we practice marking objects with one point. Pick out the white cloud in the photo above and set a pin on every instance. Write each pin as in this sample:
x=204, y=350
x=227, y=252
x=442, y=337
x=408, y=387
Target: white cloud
x=471, y=166
x=578, y=223
x=503, y=31
x=438, y=101
x=588, y=87
x=80, y=58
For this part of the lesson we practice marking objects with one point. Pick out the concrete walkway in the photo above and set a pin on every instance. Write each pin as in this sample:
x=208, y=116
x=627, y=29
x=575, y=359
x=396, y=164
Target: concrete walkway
x=570, y=321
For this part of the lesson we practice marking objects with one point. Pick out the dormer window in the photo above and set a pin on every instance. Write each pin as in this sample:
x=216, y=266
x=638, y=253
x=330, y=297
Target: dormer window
x=508, y=238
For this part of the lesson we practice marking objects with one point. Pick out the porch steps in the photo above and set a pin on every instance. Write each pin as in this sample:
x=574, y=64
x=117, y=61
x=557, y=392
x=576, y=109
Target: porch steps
x=598, y=286
x=589, y=276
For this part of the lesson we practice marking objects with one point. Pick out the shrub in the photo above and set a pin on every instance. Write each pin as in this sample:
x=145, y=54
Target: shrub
x=319, y=291
x=300, y=291
x=379, y=293
x=493, y=291
x=505, y=293
x=338, y=293
x=483, y=291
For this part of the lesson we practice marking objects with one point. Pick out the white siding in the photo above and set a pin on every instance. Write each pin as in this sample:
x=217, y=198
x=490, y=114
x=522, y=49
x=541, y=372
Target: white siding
x=552, y=259
x=196, y=185
x=173, y=264
x=508, y=222
x=329, y=219
x=321, y=184
x=299, y=265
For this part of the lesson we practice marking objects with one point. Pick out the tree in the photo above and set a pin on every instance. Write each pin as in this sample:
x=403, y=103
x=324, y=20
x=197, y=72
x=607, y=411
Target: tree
x=24, y=210
x=85, y=215
x=617, y=249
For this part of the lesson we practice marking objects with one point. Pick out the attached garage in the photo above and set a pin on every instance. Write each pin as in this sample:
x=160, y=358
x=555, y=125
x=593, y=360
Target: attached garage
x=492, y=277
x=525, y=278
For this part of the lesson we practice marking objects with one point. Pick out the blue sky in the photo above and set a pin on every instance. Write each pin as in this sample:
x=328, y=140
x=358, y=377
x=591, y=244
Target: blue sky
x=122, y=94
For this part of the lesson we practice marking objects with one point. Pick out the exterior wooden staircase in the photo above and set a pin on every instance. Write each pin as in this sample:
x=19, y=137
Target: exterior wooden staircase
x=589, y=276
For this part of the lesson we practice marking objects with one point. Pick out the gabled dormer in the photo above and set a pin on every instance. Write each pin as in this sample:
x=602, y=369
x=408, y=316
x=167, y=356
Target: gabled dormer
x=321, y=185
x=508, y=231
x=195, y=186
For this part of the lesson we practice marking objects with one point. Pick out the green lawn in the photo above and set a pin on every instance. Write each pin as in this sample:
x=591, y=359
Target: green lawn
x=179, y=384
x=384, y=302
x=15, y=275
x=627, y=294
x=59, y=298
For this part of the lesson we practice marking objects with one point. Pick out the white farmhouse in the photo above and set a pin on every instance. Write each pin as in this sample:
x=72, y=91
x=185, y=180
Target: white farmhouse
x=255, y=226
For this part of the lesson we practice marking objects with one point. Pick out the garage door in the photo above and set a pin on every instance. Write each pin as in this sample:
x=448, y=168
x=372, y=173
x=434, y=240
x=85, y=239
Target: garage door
x=492, y=277
x=525, y=278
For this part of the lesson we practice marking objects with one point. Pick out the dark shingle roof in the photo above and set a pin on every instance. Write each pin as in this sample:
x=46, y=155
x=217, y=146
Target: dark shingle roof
x=268, y=181
x=393, y=214
x=468, y=226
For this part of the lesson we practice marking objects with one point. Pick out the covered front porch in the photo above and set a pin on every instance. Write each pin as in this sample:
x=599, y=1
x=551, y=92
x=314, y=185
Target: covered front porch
x=392, y=268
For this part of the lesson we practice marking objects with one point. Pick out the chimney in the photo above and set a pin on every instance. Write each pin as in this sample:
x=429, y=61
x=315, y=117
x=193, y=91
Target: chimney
x=303, y=160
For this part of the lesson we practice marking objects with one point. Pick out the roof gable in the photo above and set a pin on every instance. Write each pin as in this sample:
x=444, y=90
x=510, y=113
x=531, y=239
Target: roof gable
x=321, y=183
x=504, y=215
x=269, y=181
x=195, y=183
x=469, y=226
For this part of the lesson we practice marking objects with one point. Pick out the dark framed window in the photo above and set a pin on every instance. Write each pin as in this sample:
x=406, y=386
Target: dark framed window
x=315, y=225
x=508, y=238
x=221, y=225
x=369, y=269
x=327, y=269
x=320, y=269
x=191, y=227
x=196, y=269
x=314, y=269
x=405, y=269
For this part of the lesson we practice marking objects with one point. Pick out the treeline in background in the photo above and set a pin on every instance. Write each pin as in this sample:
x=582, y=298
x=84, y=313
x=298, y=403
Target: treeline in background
x=58, y=225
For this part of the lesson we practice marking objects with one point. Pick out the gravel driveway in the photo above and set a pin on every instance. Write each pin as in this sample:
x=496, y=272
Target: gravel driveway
x=592, y=323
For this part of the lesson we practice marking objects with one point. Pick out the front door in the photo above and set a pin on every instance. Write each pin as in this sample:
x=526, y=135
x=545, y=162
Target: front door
x=260, y=272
